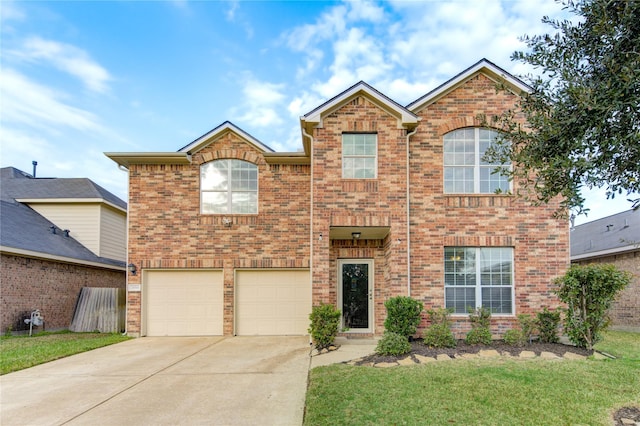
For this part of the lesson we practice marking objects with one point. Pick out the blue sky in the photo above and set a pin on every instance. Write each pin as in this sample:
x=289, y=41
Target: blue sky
x=81, y=78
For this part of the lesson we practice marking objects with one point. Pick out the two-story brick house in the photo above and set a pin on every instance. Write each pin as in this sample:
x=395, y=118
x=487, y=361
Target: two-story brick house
x=229, y=237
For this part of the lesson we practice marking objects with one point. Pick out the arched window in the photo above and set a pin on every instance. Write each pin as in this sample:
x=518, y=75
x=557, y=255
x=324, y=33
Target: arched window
x=228, y=187
x=464, y=168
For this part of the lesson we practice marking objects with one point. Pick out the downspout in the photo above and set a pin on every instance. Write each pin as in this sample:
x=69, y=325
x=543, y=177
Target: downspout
x=305, y=134
x=126, y=268
x=409, y=216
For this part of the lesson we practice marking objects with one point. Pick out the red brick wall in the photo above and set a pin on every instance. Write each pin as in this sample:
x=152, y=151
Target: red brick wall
x=540, y=241
x=52, y=287
x=625, y=312
x=166, y=229
x=360, y=202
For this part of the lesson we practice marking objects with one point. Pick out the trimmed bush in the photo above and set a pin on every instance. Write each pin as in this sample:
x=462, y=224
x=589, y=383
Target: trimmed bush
x=325, y=320
x=480, y=322
x=403, y=315
x=514, y=337
x=439, y=334
x=547, y=323
x=588, y=291
x=393, y=344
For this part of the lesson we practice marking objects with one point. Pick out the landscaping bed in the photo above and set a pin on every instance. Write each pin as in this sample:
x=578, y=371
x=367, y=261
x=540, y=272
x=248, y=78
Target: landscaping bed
x=462, y=348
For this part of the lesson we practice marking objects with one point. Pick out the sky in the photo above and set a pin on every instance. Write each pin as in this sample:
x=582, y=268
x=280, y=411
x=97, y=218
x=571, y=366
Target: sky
x=80, y=78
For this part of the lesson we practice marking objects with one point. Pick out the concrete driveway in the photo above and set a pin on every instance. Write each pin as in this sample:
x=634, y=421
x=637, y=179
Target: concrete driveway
x=165, y=381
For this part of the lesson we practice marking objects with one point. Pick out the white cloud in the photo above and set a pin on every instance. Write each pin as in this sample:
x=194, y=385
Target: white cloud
x=261, y=101
x=66, y=58
x=28, y=103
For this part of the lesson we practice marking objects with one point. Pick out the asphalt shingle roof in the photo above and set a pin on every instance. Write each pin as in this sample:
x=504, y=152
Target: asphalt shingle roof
x=23, y=228
x=609, y=233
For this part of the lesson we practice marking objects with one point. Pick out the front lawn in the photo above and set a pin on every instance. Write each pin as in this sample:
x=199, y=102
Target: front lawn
x=19, y=352
x=480, y=392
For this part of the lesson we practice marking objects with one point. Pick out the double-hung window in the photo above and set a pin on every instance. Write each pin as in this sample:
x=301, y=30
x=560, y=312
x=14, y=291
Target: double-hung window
x=465, y=171
x=479, y=276
x=228, y=187
x=359, y=155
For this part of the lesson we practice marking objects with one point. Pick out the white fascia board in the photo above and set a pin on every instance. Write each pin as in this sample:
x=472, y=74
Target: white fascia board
x=205, y=139
x=608, y=252
x=70, y=201
x=484, y=66
x=404, y=116
x=55, y=258
x=125, y=159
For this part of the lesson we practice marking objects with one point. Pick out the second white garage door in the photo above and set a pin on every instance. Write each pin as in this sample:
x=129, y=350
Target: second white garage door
x=183, y=303
x=272, y=302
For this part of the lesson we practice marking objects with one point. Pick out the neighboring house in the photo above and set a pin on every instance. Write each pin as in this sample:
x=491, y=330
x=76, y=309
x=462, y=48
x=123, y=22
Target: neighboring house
x=229, y=237
x=614, y=239
x=56, y=236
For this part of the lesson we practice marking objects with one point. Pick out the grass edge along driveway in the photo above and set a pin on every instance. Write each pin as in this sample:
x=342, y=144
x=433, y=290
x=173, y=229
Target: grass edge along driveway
x=480, y=392
x=20, y=352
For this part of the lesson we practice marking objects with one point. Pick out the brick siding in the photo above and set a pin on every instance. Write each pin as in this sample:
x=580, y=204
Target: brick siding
x=625, y=312
x=167, y=230
x=52, y=287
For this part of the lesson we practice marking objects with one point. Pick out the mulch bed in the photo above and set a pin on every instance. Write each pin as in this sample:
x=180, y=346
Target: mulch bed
x=418, y=348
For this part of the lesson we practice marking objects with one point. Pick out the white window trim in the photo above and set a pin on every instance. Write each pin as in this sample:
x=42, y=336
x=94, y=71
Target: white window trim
x=229, y=192
x=478, y=287
x=476, y=165
x=375, y=157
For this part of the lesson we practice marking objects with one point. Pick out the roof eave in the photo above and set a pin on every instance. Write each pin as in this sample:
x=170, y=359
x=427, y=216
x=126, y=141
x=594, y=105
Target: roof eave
x=299, y=158
x=219, y=131
x=126, y=159
x=70, y=200
x=55, y=258
x=483, y=66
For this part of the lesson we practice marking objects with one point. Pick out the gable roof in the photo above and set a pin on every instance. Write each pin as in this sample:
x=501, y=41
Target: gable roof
x=483, y=66
x=610, y=235
x=314, y=117
x=19, y=185
x=219, y=131
x=25, y=232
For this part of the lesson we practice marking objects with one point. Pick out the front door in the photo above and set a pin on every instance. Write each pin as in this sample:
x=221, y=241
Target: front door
x=355, y=291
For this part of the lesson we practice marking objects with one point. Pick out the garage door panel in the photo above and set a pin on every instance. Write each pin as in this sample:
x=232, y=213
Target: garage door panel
x=272, y=302
x=183, y=303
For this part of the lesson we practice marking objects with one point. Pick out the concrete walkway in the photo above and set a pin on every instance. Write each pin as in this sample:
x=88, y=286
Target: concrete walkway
x=165, y=381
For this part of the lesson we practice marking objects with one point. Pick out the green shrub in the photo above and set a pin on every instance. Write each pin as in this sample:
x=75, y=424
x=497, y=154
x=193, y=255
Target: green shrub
x=439, y=334
x=393, y=344
x=523, y=334
x=480, y=326
x=403, y=315
x=479, y=335
x=514, y=337
x=547, y=323
x=325, y=320
x=588, y=291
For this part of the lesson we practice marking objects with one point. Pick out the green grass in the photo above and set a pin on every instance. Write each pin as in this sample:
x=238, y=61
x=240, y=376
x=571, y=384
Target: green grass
x=479, y=392
x=622, y=344
x=19, y=352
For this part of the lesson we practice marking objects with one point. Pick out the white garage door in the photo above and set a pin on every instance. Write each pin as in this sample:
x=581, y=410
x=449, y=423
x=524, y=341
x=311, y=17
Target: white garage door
x=272, y=302
x=183, y=303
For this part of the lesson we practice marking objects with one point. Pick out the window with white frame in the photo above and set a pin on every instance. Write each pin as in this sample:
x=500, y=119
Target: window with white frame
x=359, y=155
x=465, y=171
x=479, y=276
x=228, y=187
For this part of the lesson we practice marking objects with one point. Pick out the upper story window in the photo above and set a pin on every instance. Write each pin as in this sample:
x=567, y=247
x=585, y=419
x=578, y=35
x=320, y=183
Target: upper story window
x=229, y=186
x=359, y=155
x=464, y=169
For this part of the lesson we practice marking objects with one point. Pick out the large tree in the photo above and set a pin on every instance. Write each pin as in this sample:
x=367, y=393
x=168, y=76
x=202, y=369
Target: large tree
x=583, y=110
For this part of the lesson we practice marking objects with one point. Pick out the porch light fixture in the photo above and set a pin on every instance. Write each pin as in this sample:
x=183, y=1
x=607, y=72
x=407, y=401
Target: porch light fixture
x=356, y=235
x=132, y=268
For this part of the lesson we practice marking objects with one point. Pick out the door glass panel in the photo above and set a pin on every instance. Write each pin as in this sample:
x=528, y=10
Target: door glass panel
x=355, y=295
